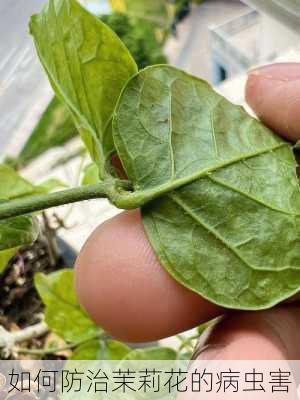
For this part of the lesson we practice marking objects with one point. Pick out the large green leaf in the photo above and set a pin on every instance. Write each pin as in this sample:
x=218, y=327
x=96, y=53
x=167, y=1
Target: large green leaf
x=87, y=65
x=63, y=313
x=226, y=220
x=55, y=128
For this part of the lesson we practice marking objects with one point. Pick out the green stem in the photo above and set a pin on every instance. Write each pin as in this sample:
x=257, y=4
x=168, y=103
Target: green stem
x=26, y=205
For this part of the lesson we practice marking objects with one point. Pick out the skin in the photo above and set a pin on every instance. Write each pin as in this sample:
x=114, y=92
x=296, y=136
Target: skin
x=124, y=288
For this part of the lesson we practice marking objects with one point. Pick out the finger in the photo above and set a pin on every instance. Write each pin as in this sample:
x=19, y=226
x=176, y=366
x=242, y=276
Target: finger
x=273, y=92
x=124, y=288
x=264, y=335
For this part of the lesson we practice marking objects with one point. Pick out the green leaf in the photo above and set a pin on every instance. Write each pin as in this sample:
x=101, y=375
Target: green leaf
x=139, y=36
x=151, y=353
x=15, y=232
x=54, y=129
x=18, y=231
x=12, y=184
x=6, y=256
x=63, y=313
x=90, y=175
x=226, y=219
x=87, y=65
x=101, y=350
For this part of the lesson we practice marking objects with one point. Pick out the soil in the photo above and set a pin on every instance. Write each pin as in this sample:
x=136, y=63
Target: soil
x=19, y=301
x=20, y=304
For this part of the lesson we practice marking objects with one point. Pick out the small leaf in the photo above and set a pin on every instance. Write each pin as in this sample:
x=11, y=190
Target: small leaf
x=15, y=232
x=18, y=231
x=63, y=313
x=6, y=256
x=101, y=350
x=87, y=65
x=225, y=222
x=151, y=353
x=12, y=184
x=90, y=175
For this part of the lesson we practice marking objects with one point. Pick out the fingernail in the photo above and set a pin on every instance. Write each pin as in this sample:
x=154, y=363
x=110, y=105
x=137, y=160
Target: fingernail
x=284, y=72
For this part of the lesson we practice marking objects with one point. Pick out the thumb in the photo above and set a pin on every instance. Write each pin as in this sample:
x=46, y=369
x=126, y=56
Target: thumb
x=273, y=92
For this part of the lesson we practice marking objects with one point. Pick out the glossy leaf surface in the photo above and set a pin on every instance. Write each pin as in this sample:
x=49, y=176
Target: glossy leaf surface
x=87, y=65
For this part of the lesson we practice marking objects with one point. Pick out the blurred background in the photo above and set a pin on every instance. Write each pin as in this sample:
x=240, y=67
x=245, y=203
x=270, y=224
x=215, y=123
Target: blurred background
x=218, y=40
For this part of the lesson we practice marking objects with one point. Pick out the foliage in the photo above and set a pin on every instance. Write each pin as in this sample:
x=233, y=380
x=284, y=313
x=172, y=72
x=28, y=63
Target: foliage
x=6, y=256
x=66, y=318
x=56, y=126
x=159, y=12
x=195, y=153
x=139, y=37
x=218, y=190
x=17, y=231
x=235, y=184
x=84, y=91
x=54, y=129
x=90, y=175
x=58, y=294
x=21, y=230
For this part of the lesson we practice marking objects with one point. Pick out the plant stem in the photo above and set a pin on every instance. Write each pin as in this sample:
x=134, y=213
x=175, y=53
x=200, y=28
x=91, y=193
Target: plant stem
x=53, y=350
x=26, y=205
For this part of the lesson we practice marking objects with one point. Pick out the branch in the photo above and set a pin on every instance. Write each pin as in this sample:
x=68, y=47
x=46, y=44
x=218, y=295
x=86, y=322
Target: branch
x=8, y=340
x=29, y=204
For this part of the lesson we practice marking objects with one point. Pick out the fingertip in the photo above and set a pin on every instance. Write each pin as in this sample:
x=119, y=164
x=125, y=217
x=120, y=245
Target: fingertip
x=126, y=291
x=263, y=335
x=273, y=92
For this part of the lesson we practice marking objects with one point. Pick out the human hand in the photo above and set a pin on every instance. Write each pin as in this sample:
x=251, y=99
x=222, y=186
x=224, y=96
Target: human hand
x=122, y=285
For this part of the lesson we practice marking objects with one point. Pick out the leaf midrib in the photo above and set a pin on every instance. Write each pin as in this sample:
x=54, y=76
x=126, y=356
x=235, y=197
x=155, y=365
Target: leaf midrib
x=141, y=197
